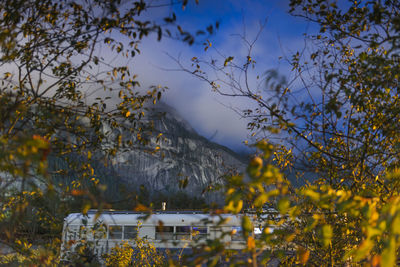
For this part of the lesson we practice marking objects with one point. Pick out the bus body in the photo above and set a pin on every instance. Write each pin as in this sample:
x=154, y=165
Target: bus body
x=166, y=230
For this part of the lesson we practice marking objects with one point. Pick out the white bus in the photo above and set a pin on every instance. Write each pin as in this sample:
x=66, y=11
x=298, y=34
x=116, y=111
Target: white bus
x=166, y=229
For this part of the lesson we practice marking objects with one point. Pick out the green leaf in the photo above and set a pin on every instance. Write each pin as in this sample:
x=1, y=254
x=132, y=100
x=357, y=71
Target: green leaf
x=247, y=225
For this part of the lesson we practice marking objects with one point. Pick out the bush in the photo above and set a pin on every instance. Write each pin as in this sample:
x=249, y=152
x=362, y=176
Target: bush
x=143, y=254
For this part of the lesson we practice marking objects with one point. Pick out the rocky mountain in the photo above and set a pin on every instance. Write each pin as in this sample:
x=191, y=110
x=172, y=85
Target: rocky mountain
x=184, y=161
x=183, y=155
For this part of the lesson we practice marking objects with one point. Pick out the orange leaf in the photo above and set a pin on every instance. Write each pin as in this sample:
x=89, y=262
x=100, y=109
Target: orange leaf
x=76, y=192
x=376, y=261
x=141, y=207
x=303, y=255
x=251, y=244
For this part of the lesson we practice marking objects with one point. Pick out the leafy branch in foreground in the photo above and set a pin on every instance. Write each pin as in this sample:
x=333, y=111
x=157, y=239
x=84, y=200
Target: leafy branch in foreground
x=67, y=95
x=334, y=125
x=310, y=225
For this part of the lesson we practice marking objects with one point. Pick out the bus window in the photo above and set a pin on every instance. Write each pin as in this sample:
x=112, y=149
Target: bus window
x=164, y=232
x=182, y=232
x=130, y=232
x=72, y=232
x=115, y=232
x=199, y=232
x=215, y=232
x=257, y=232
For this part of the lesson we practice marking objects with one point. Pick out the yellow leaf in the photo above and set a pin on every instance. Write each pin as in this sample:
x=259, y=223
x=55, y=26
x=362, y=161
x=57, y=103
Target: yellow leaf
x=396, y=225
x=227, y=60
x=389, y=253
x=260, y=200
x=86, y=208
x=283, y=205
x=326, y=234
x=234, y=206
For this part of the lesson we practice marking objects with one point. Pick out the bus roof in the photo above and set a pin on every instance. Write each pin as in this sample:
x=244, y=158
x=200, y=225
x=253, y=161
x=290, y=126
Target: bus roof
x=174, y=218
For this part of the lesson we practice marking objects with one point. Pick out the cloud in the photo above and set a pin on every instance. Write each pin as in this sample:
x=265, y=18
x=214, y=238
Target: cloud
x=206, y=111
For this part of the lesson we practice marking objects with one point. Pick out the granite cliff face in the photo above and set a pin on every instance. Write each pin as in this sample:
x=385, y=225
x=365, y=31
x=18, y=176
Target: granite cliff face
x=183, y=158
x=183, y=154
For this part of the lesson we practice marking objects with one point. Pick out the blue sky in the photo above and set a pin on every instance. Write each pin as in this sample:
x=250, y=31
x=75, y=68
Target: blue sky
x=209, y=113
